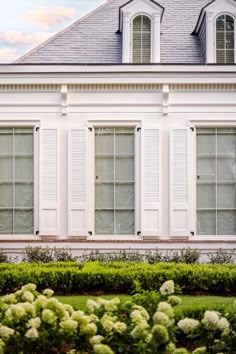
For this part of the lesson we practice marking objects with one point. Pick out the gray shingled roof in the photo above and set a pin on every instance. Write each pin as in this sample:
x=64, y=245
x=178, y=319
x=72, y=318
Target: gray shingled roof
x=94, y=39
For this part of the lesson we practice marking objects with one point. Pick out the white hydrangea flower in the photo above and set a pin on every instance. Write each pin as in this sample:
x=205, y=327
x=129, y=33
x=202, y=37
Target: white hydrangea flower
x=27, y=296
x=136, y=316
x=110, y=306
x=167, y=288
x=48, y=292
x=28, y=287
x=17, y=311
x=6, y=332
x=223, y=324
x=69, y=309
x=92, y=305
x=188, y=325
x=32, y=333
x=140, y=330
x=28, y=307
x=68, y=326
x=78, y=316
x=120, y=327
x=96, y=340
x=162, y=318
x=174, y=300
x=166, y=308
x=211, y=319
x=34, y=322
x=9, y=299
x=102, y=349
x=200, y=350
x=48, y=316
x=40, y=302
x=89, y=329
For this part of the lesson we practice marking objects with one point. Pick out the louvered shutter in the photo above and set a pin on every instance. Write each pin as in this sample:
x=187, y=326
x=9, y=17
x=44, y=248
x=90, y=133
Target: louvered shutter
x=49, y=182
x=77, y=178
x=180, y=194
x=150, y=183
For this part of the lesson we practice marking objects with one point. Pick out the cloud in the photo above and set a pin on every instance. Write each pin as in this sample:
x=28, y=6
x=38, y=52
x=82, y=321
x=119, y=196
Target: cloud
x=7, y=55
x=20, y=38
x=49, y=16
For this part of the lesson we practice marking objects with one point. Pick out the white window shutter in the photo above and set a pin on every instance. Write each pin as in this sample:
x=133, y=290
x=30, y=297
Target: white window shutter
x=180, y=182
x=49, y=182
x=77, y=182
x=150, y=183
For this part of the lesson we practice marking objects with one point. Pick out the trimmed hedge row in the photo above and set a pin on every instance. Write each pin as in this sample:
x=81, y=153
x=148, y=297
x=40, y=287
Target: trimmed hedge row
x=119, y=277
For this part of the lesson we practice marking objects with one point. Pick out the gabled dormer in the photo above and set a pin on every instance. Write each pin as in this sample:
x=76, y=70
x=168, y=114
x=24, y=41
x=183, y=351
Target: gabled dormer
x=140, y=26
x=216, y=30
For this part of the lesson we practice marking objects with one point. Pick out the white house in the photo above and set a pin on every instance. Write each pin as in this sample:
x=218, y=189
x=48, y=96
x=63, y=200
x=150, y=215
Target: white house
x=120, y=131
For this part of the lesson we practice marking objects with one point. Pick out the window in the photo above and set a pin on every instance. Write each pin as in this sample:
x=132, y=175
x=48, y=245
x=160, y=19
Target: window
x=16, y=181
x=216, y=181
x=114, y=181
x=141, y=39
x=225, y=39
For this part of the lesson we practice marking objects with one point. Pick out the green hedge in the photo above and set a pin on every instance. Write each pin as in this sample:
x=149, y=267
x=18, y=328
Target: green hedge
x=118, y=277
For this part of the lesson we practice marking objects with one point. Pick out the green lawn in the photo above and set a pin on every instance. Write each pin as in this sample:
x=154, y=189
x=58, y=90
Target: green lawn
x=191, y=305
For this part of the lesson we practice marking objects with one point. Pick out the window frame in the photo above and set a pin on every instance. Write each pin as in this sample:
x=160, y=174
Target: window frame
x=35, y=125
x=91, y=178
x=193, y=185
x=215, y=48
x=151, y=37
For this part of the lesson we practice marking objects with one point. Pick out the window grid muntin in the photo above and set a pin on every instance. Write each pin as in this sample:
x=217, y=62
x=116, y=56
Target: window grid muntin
x=217, y=182
x=14, y=181
x=142, y=33
x=115, y=181
x=225, y=51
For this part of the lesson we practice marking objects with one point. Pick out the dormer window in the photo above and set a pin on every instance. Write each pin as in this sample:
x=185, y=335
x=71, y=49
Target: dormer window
x=141, y=48
x=225, y=39
x=140, y=22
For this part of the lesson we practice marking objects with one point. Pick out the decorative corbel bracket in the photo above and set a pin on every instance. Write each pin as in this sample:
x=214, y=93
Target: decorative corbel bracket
x=64, y=99
x=166, y=98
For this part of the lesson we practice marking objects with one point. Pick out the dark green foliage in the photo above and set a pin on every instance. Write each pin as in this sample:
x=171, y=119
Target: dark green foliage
x=3, y=257
x=119, y=277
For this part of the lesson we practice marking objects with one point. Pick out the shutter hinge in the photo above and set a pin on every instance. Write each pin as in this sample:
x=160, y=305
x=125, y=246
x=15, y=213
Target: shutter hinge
x=36, y=233
x=90, y=129
x=90, y=233
x=138, y=129
x=138, y=233
x=192, y=233
x=37, y=129
x=192, y=129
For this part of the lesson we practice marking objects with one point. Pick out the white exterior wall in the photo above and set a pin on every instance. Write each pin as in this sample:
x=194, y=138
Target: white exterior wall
x=186, y=104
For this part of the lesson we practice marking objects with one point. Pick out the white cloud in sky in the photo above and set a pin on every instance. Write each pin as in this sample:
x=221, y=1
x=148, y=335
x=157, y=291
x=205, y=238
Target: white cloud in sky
x=49, y=16
x=8, y=54
x=20, y=38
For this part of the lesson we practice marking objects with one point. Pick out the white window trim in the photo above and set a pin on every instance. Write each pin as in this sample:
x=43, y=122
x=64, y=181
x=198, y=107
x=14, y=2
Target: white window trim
x=193, y=185
x=131, y=31
x=34, y=125
x=91, y=182
x=214, y=44
x=129, y=12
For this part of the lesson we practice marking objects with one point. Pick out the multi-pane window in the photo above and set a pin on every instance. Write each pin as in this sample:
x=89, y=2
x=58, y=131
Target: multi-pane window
x=114, y=181
x=16, y=181
x=141, y=39
x=225, y=39
x=216, y=181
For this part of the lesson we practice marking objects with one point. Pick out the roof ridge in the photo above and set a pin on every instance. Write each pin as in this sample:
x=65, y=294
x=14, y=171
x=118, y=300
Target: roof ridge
x=58, y=34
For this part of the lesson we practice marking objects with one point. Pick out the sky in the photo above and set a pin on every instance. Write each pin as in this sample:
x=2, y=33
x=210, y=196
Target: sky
x=26, y=23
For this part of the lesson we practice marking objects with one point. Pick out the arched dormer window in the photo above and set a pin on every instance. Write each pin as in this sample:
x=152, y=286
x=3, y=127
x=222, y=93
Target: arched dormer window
x=225, y=39
x=141, y=42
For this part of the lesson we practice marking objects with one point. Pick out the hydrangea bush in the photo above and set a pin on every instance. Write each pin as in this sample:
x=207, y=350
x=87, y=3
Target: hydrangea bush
x=31, y=322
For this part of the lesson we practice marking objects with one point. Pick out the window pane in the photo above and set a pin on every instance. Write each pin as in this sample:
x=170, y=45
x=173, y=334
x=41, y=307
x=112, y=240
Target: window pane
x=220, y=56
x=206, y=168
x=104, y=196
x=225, y=40
x=206, y=222
x=206, y=197
x=230, y=56
x=104, y=141
x=23, y=168
x=229, y=40
x=226, y=196
x=6, y=168
x=141, y=39
x=6, y=141
x=124, y=168
x=23, y=141
x=229, y=23
x=206, y=142
x=124, y=222
x=124, y=143
x=220, y=40
x=124, y=196
x=23, y=195
x=105, y=168
x=226, y=168
x=6, y=195
x=104, y=222
x=6, y=222
x=220, y=23
x=23, y=222
x=226, y=222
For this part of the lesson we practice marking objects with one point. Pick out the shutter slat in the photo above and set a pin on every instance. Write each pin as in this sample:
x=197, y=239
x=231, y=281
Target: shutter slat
x=49, y=183
x=150, y=199
x=77, y=182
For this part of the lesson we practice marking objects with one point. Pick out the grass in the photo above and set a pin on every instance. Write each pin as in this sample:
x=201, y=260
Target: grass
x=191, y=305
